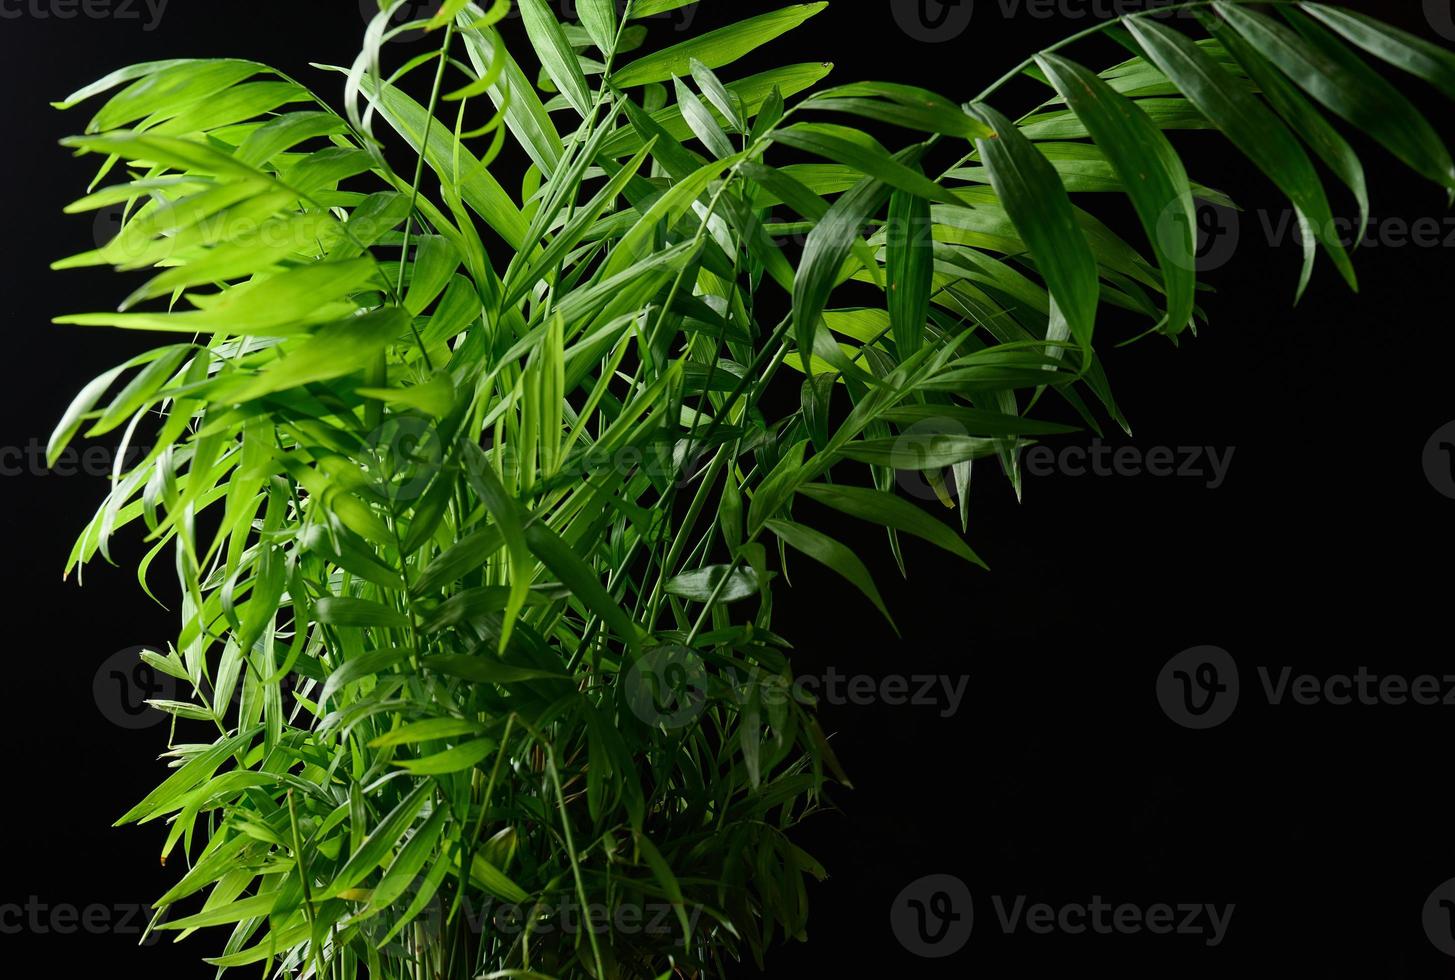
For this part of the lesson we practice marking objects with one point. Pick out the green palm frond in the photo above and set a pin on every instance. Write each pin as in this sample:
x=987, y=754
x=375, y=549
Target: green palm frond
x=477, y=498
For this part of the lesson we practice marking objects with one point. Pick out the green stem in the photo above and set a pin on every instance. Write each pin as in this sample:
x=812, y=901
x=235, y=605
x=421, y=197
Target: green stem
x=434, y=101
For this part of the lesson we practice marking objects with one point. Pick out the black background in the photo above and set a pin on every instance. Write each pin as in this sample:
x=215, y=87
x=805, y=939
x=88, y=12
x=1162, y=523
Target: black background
x=1059, y=778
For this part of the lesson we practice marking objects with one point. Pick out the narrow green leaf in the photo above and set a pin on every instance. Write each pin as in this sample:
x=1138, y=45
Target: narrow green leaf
x=901, y=105
x=482, y=668
x=1250, y=125
x=191, y=775
x=726, y=583
x=248, y=908
x=599, y=19
x=495, y=881
x=825, y=550
x=582, y=580
x=704, y=127
x=381, y=840
x=888, y=510
x=556, y=53
x=426, y=731
x=361, y=666
x=721, y=98
x=921, y=451
x=120, y=77
x=1041, y=210
x=715, y=48
x=1348, y=87
x=909, y=270
x=662, y=871
x=508, y=519
x=337, y=349
x=404, y=869
x=1151, y=171
x=457, y=759
x=1299, y=113
x=866, y=159
x=287, y=303
x=358, y=613
x=1401, y=49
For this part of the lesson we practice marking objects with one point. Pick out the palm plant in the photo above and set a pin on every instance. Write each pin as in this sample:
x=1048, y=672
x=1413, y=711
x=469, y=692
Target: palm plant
x=477, y=499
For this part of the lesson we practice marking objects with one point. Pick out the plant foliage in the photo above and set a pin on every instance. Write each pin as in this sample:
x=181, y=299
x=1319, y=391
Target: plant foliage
x=477, y=495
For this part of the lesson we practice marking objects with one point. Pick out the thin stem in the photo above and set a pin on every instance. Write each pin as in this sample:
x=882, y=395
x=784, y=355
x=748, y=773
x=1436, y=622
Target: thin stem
x=434, y=101
x=1106, y=25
